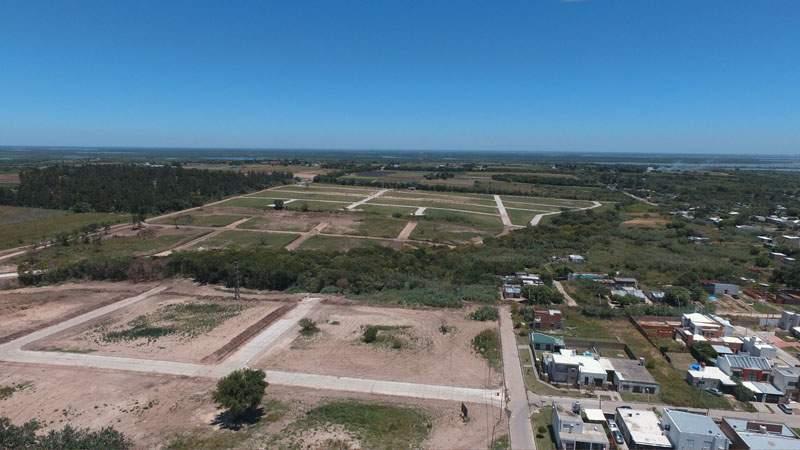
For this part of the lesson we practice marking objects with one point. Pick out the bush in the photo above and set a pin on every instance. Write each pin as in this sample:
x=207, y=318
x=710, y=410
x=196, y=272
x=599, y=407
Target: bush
x=308, y=327
x=25, y=437
x=487, y=344
x=241, y=391
x=370, y=334
x=484, y=313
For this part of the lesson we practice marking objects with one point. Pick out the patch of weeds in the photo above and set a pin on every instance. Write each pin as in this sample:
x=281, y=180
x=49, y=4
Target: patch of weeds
x=377, y=426
x=7, y=391
x=444, y=328
x=484, y=313
x=500, y=443
x=186, y=319
x=487, y=344
x=393, y=336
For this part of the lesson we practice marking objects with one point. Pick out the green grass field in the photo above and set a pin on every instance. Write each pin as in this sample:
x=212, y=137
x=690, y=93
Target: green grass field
x=267, y=222
x=112, y=247
x=315, y=196
x=331, y=243
x=250, y=202
x=388, y=211
x=378, y=226
x=455, y=227
x=247, y=239
x=20, y=226
x=375, y=425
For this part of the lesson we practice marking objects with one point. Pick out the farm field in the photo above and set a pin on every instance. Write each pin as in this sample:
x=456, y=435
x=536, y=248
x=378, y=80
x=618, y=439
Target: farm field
x=20, y=226
x=410, y=346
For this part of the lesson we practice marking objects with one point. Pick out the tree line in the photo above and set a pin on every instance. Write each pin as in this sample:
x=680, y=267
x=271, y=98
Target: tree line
x=130, y=188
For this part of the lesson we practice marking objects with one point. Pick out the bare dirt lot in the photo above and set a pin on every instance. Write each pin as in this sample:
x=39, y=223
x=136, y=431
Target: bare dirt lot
x=170, y=326
x=153, y=410
x=25, y=310
x=425, y=354
x=302, y=221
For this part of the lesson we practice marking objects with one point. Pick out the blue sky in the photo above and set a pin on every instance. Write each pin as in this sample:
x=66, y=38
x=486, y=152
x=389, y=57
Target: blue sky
x=593, y=75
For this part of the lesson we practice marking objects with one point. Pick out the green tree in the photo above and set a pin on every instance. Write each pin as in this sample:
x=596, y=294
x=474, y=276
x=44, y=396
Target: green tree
x=678, y=296
x=278, y=204
x=308, y=326
x=542, y=295
x=241, y=391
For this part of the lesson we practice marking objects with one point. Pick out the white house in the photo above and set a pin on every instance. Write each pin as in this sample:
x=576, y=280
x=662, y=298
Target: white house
x=641, y=429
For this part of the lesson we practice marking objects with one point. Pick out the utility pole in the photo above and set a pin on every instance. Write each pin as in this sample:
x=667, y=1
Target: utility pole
x=236, y=274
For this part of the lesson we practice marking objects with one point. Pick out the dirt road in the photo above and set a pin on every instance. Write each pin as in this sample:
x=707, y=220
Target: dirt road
x=519, y=421
x=295, y=244
x=567, y=298
x=407, y=230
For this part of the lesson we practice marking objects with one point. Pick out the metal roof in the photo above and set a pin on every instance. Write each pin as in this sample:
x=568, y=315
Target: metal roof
x=747, y=362
x=687, y=422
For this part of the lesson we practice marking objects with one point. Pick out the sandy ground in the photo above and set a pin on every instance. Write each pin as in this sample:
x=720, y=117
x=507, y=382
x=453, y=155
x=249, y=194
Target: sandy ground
x=88, y=337
x=28, y=309
x=429, y=357
x=153, y=409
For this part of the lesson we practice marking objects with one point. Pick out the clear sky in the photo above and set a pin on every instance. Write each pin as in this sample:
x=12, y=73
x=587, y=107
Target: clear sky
x=591, y=75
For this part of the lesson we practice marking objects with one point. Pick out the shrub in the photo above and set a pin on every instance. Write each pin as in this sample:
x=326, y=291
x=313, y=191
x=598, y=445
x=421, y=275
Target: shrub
x=370, y=334
x=308, y=327
x=484, y=313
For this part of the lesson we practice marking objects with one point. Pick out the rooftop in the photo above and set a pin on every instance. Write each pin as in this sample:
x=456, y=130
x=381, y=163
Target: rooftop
x=776, y=436
x=761, y=388
x=586, y=363
x=594, y=415
x=644, y=427
x=687, y=422
x=712, y=373
x=747, y=362
x=788, y=371
x=631, y=370
x=588, y=432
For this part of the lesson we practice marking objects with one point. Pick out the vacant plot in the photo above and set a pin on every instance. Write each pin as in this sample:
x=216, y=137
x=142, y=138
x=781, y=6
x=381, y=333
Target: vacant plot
x=375, y=225
x=324, y=196
x=292, y=221
x=202, y=220
x=20, y=226
x=388, y=211
x=328, y=188
x=257, y=203
x=434, y=346
x=25, y=310
x=246, y=239
x=454, y=227
x=340, y=244
x=173, y=327
x=178, y=412
x=123, y=243
x=646, y=221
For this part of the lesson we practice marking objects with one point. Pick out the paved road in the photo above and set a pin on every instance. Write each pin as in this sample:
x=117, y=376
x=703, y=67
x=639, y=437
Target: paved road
x=12, y=351
x=519, y=421
x=538, y=218
x=407, y=230
x=355, y=205
x=568, y=298
x=502, y=210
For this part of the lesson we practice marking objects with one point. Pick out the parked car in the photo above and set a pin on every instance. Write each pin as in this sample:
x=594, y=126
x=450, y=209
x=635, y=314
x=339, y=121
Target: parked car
x=612, y=425
x=618, y=437
x=786, y=407
x=714, y=391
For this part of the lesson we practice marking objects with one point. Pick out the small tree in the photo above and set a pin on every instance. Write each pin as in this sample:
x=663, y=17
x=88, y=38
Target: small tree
x=370, y=334
x=241, y=391
x=278, y=204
